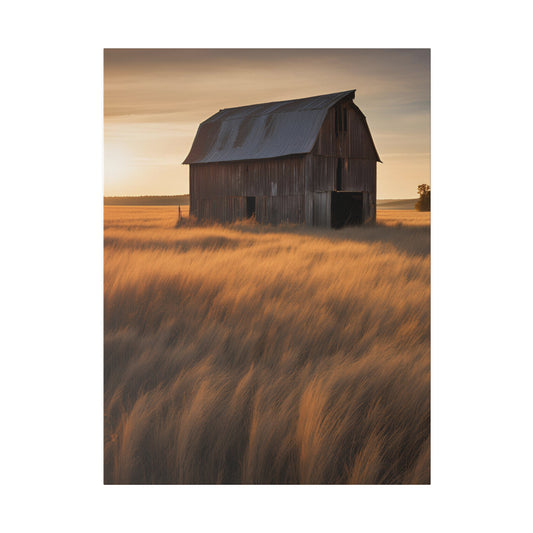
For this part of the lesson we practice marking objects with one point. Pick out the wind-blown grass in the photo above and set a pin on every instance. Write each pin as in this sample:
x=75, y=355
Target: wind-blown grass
x=249, y=354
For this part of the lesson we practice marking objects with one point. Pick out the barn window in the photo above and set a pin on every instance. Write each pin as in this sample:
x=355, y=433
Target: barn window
x=341, y=120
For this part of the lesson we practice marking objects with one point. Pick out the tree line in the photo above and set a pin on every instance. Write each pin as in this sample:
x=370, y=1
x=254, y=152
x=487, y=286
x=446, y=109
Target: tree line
x=180, y=199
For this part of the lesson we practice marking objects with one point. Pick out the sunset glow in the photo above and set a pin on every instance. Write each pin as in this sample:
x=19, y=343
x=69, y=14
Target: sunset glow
x=155, y=99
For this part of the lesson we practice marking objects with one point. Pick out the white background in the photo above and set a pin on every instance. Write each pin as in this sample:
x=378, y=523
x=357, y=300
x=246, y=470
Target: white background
x=51, y=223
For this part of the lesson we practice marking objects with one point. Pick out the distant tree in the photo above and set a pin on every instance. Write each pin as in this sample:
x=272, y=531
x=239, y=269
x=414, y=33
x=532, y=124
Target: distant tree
x=424, y=201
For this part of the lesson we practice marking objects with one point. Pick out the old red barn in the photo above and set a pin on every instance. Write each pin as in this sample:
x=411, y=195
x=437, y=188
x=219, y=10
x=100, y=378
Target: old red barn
x=309, y=161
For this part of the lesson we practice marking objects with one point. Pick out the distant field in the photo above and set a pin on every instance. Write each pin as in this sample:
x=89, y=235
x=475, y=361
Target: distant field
x=404, y=217
x=396, y=204
x=253, y=354
x=183, y=199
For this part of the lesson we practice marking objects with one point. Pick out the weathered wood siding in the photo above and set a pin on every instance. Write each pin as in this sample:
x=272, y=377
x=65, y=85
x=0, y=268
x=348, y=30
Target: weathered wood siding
x=358, y=175
x=322, y=208
x=352, y=141
x=219, y=190
x=293, y=188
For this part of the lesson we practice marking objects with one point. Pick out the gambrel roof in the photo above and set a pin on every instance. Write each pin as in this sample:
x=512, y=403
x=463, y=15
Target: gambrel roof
x=263, y=131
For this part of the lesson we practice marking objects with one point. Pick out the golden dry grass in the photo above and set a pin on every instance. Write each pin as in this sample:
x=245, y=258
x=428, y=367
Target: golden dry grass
x=396, y=217
x=252, y=354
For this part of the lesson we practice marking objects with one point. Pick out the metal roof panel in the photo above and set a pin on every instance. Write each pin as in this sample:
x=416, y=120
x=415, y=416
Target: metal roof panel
x=262, y=131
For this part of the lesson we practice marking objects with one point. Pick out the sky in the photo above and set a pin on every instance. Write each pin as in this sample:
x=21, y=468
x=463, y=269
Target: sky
x=154, y=100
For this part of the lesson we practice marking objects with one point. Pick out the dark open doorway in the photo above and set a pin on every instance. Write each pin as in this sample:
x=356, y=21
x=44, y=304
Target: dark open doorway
x=250, y=206
x=346, y=209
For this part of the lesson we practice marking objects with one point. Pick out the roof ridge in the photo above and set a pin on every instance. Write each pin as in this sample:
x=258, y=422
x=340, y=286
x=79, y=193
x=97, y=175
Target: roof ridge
x=289, y=100
x=265, y=114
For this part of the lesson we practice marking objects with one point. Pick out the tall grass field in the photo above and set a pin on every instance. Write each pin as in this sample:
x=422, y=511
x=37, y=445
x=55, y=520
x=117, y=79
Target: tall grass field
x=254, y=354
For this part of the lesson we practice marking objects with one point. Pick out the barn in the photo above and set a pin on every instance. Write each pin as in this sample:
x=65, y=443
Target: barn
x=310, y=160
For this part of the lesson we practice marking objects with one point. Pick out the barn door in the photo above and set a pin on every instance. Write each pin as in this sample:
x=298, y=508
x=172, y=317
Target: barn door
x=346, y=209
x=321, y=208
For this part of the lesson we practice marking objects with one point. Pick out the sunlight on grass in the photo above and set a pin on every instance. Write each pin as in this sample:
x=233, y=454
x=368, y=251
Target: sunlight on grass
x=253, y=354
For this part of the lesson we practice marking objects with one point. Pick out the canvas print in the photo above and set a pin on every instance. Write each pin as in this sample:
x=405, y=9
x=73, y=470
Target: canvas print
x=266, y=266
